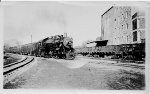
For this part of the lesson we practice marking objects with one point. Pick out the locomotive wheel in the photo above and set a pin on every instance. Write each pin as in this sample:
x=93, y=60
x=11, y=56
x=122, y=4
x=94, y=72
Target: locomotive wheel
x=70, y=55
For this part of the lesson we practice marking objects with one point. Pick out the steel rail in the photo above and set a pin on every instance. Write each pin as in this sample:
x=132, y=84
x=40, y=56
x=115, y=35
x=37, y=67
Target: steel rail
x=132, y=66
x=6, y=72
x=8, y=65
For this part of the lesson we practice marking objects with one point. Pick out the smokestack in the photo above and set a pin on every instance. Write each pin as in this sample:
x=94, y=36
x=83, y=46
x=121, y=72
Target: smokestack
x=65, y=34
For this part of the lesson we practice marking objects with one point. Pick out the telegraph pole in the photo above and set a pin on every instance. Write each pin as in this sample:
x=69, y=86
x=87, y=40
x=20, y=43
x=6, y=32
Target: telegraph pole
x=31, y=45
x=31, y=38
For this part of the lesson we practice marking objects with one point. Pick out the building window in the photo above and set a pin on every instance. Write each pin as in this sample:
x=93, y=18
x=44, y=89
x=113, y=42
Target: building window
x=134, y=24
x=127, y=25
x=129, y=13
x=122, y=18
x=122, y=27
x=126, y=14
x=135, y=15
x=135, y=36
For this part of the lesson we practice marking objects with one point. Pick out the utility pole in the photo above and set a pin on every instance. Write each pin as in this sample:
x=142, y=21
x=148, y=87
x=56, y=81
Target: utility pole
x=31, y=45
x=31, y=38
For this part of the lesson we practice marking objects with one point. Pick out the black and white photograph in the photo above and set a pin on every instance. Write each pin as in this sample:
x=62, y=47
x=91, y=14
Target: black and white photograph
x=68, y=45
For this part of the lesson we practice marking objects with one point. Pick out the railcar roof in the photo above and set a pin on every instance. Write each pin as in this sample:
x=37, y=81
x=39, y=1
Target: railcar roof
x=99, y=43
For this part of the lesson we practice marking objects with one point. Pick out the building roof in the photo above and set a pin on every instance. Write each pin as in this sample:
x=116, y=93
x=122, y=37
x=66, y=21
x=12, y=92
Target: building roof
x=107, y=10
x=100, y=43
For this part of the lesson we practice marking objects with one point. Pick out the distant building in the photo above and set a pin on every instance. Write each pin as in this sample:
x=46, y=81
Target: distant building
x=123, y=25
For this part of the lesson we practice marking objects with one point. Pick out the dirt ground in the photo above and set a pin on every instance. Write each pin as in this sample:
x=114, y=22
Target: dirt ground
x=79, y=74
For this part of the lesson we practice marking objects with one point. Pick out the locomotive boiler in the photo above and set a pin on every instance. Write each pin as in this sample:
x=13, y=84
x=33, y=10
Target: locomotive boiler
x=57, y=47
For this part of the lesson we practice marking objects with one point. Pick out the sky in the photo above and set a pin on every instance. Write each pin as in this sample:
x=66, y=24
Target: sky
x=80, y=20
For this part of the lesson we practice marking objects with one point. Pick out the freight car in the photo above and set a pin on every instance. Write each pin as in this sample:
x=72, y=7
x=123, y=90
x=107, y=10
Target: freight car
x=123, y=51
x=56, y=46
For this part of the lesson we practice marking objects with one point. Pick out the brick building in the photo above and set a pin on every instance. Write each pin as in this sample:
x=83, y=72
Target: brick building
x=123, y=25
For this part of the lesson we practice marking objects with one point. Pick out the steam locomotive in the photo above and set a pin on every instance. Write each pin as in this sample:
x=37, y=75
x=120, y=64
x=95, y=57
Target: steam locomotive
x=56, y=47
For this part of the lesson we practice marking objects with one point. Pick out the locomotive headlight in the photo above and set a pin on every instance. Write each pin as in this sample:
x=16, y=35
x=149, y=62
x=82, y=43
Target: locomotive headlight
x=70, y=42
x=67, y=42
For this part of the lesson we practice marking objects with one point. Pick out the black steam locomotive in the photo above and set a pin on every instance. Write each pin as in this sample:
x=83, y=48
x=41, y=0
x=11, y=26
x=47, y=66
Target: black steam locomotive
x=56, y=47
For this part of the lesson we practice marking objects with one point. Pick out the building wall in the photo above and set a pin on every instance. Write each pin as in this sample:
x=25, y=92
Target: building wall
x=107, y=22
x=117, y=25
x=139, y=16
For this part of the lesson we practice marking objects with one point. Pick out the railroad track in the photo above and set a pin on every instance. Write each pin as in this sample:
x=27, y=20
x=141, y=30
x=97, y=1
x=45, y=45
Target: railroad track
x=133, y=66
x=14, y=69
x=11, y=64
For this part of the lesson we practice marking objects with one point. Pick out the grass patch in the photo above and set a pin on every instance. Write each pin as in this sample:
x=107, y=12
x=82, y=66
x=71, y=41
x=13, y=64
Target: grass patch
x=128, y=80
x=8, y=59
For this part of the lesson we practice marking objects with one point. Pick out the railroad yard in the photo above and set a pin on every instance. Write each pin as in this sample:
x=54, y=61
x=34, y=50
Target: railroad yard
x=81, y=73
x=63, y=45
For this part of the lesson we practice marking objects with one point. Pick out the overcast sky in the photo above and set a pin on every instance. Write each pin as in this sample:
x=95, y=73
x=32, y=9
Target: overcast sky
x=80, y=20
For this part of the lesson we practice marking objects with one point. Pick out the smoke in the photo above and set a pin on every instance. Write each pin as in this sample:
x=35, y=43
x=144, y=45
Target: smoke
x=12, y=43
x=20, y=22
x=47, y=15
